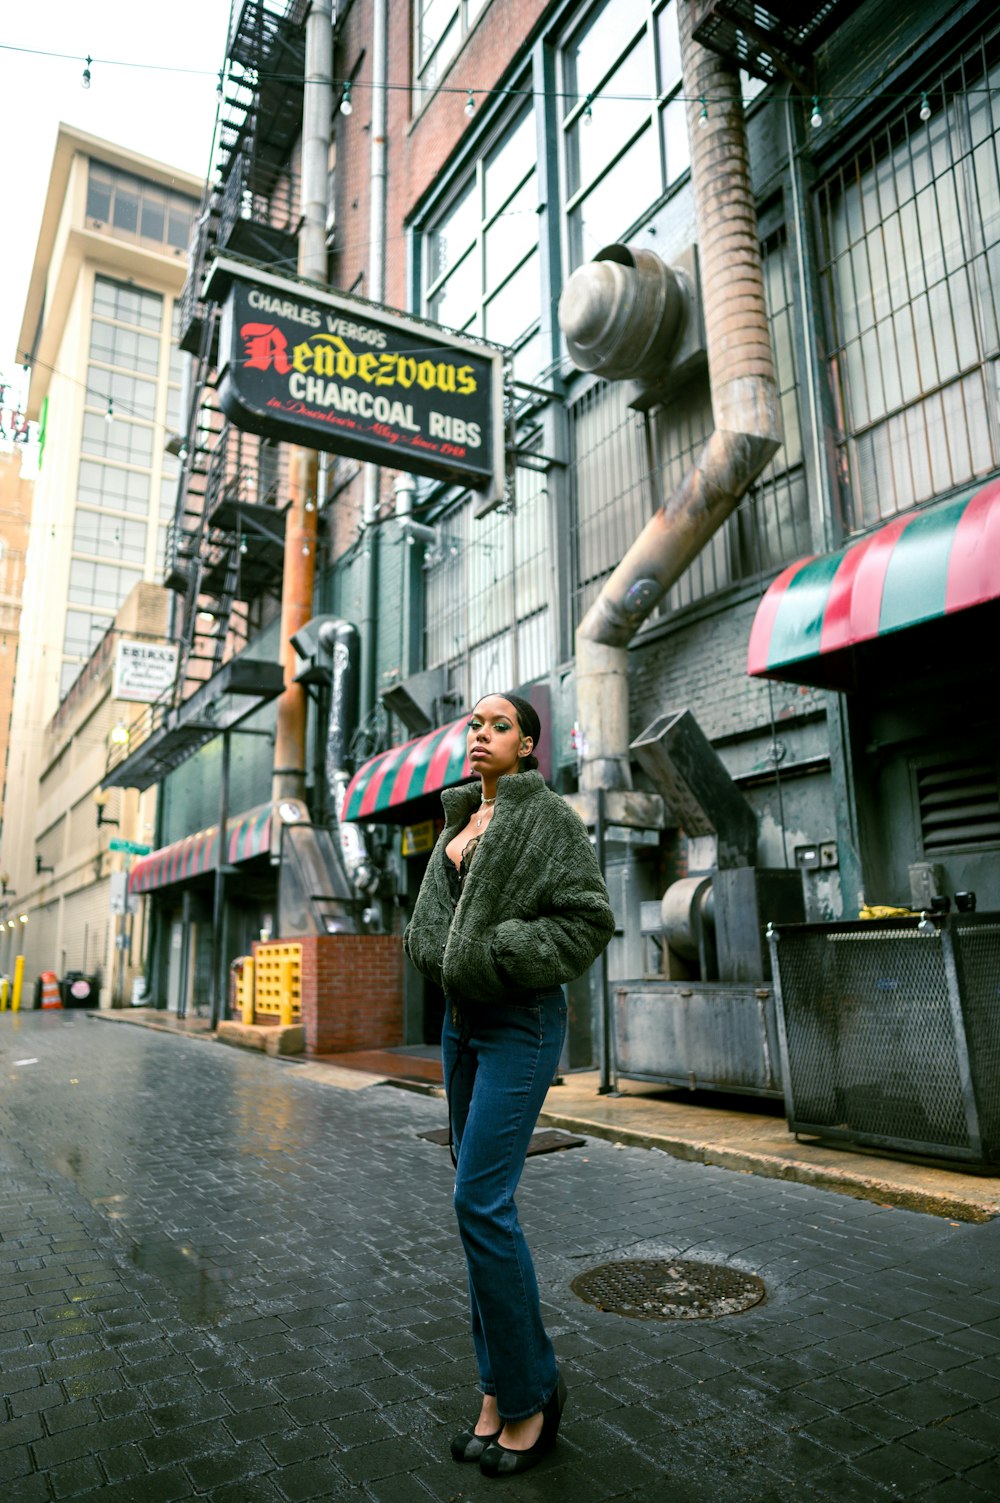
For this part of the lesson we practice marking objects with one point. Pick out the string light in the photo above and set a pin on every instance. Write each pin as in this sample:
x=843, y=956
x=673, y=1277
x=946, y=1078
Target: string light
x=703, y=114
x=219, y=85
x=925, y=108
x=816, y=118
x=470, y=105
x=588, y=113
x=346, y=107
x=306, y=550
x=109, y=416
x=263, y=75
x=85, y=79
x=243, y=545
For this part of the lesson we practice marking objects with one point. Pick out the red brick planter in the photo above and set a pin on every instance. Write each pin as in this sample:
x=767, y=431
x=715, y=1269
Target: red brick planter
x=352, y=992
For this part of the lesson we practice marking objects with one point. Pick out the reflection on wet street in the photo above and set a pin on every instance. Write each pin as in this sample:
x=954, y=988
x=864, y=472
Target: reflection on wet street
x=223, y=1277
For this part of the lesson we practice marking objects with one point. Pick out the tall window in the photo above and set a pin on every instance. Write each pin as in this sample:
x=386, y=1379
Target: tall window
x=439, y=29
x=111, y=524
x=481, y=255
x=911, y=275
x=624, y=126
x=488, y=587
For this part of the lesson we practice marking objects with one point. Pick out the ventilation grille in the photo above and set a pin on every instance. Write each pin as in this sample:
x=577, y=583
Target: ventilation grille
x=959, y=804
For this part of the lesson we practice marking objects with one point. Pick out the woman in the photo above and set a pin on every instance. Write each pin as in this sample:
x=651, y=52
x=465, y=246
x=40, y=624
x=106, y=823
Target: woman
x=511, y=906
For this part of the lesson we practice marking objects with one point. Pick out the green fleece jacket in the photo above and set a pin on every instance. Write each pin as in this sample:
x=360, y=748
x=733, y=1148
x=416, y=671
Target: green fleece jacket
x=534, y=910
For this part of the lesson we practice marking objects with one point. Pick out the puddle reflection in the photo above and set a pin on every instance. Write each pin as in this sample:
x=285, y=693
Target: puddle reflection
x=193, y=1281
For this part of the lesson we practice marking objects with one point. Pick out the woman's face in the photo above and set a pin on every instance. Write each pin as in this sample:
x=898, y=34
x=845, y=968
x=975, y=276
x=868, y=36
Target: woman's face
x=495, y=742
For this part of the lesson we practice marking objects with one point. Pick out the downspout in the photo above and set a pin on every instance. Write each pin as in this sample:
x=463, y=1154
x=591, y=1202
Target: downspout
x=289, y=777
x=376, y=291
x=744, y=404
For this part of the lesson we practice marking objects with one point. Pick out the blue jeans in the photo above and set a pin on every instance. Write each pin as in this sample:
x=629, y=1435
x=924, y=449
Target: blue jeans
x=499, y=1060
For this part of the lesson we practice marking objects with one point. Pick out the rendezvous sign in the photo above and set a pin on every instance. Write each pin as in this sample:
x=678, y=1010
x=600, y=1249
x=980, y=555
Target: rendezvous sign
x=329, y=371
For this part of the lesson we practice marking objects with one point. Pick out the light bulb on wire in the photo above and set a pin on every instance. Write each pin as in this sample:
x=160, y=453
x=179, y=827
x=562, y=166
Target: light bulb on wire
x=470, y=105
x=109, y=416
x=925, y=108
x=703, y=115
x=816, y=118
x=346, y=107
x=85, y=79
x=218, y=87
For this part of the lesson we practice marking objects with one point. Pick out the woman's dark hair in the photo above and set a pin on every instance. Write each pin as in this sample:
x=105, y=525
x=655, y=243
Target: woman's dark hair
x=529, y=723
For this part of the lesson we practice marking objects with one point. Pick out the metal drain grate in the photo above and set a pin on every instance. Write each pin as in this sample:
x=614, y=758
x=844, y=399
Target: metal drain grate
x=669, y=1289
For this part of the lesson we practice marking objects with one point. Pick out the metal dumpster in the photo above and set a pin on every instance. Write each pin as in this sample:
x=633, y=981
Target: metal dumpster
x=889, y=1032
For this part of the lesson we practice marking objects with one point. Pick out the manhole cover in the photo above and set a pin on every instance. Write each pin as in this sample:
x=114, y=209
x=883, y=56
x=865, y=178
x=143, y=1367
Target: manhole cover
x=668, y=1289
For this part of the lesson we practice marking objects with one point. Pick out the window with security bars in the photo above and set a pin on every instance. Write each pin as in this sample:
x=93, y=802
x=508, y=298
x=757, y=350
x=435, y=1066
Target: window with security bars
x=910, y=269
x=958, y=801
x=623, y=464
x=488, y=587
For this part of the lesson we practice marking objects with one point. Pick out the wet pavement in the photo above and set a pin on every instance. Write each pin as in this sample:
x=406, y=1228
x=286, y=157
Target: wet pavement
x=224, y=1276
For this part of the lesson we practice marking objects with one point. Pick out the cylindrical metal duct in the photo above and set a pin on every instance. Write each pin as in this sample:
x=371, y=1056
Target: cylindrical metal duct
x=623, y=313
x=744, y=404
x=683, y=912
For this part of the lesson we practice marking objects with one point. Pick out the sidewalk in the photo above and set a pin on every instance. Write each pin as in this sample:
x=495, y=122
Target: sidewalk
x=746, y=1134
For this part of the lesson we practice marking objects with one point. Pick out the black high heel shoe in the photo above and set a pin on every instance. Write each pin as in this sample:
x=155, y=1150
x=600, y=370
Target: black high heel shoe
x=468, y=1446
x=501, y=1461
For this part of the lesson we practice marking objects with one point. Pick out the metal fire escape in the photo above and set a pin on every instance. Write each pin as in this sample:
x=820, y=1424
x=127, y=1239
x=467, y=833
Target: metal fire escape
x=776, y=38
x=226, y=545
x=225, y=542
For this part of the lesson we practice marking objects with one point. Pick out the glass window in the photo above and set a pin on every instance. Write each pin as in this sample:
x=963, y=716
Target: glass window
x=114, y=345
x=624, y=128
x=138, y=209
x=439, y=29
x=482, y=265
x=129, y=395
x=84, y=630
x=99, y=188
x=68, y=676
x=131, y=443
x=100, y=584
x=911, y=276
x=107, y=486
x=109, y=536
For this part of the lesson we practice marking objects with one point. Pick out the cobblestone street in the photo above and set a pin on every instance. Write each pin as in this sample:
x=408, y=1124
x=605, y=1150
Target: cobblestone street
x=225, y=1279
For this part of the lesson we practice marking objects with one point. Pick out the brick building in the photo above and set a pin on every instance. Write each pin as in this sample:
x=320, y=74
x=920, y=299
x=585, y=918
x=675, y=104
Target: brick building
x=514, y=143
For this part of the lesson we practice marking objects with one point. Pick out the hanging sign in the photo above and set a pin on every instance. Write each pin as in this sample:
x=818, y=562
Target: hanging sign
x=333, y=372
x=143, y=670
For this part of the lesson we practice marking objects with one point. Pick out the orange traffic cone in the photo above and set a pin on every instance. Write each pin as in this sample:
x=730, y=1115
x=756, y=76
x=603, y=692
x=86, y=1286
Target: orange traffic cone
x=50, y=990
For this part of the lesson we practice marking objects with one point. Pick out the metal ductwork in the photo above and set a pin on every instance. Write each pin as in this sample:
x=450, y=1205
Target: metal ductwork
x=624, y=314
x=744, y=403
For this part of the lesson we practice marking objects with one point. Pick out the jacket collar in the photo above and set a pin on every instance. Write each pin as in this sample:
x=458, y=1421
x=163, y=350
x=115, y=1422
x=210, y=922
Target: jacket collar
x=512, y=789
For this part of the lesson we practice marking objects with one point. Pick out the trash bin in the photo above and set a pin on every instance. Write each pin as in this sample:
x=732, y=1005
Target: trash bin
x=78, y=990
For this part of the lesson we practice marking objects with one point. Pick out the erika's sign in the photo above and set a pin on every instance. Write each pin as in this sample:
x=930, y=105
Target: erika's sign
x=331, y=372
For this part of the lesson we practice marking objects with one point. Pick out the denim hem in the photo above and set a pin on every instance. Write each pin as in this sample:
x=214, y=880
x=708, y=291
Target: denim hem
x=527, y=1413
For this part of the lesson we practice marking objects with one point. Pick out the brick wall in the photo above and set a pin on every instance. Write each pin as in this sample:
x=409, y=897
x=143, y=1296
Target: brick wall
x=352, y=992
x=417, y=147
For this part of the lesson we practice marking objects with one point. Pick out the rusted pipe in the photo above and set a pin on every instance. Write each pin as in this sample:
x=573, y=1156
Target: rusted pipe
x=744, y=405
x=289, y=775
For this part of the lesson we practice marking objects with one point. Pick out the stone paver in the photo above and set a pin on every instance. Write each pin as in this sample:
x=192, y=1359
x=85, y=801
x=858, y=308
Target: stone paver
x=222, y=1278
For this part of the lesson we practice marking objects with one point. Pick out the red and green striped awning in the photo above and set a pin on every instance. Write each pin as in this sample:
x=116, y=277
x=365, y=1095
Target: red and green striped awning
x=917, y=568
x=426, y=765
x=247, y=835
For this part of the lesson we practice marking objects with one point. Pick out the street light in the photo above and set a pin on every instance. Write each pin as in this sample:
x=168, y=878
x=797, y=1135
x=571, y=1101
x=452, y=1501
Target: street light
x=101, y=796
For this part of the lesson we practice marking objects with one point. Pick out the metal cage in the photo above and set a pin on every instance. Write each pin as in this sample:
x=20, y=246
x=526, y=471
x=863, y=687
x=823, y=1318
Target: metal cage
x=890, y=1032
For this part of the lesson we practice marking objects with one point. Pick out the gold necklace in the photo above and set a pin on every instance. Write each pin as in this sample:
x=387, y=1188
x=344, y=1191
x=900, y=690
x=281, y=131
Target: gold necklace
x=480, y=818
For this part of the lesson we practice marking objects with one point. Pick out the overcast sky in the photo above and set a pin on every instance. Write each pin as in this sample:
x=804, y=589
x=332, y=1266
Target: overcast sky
x=164, y=115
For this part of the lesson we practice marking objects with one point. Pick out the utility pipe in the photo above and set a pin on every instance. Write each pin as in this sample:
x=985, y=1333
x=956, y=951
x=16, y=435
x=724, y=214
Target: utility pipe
x=376, y=291
x=744, y=403
x=289, y=777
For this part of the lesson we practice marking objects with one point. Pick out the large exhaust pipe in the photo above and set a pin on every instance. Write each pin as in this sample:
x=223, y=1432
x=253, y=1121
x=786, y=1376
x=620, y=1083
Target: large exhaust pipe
x=744, y=404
